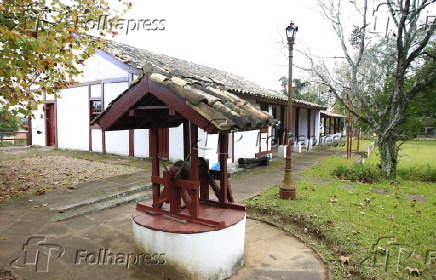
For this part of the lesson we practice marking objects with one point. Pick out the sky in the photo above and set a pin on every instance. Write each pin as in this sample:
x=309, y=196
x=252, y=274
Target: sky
x=245, y=38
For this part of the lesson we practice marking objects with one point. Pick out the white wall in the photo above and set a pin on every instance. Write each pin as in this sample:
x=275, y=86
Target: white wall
x=176, y=143
x=141, y=138
x=316, y=125
x=208, y=146
x=73, y=119
x=247, y=144
x=117, y=142
x=303, y=124
x=38, y=127
x=97, y=143
x=99, y=68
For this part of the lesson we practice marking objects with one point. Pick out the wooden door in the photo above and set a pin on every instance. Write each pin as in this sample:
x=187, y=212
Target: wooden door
x=50, y=125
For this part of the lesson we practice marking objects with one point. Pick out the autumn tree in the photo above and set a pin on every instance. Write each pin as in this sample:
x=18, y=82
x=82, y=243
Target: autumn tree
x=379, y=84
x=44, y=42
x=8, y=121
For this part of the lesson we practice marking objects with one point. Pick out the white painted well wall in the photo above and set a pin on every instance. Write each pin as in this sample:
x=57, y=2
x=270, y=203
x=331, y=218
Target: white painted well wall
x=207, y=255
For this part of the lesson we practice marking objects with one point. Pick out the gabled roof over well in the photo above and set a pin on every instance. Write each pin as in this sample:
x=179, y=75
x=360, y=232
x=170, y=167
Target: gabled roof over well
x=166, y=65
x=155, y=100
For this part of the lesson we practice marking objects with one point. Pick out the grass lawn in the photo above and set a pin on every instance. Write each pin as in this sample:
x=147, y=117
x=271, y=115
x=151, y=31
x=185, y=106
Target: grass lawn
x=387, y=229
x=363, y=144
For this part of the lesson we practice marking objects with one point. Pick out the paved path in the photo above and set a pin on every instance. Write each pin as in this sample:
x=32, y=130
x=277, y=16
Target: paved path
x=270, y=252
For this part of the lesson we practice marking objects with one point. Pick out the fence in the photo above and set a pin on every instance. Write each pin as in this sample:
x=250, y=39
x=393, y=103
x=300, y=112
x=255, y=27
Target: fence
x=14, y=138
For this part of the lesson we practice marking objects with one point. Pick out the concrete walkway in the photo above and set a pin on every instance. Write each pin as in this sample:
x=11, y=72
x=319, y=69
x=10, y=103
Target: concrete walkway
x=71, y=249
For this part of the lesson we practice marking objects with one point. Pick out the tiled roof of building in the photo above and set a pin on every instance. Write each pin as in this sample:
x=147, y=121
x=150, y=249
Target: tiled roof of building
x=331, y=115
x=201, y=102
x=167, y=65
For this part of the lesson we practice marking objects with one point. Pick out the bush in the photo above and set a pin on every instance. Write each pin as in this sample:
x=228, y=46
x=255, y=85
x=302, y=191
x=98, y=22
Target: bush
x=425, y=173
x=365, y=173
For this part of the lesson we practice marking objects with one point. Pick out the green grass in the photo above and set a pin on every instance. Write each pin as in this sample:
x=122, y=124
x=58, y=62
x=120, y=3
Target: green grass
x=363, y=145
x=345, y=218
x=412, y=153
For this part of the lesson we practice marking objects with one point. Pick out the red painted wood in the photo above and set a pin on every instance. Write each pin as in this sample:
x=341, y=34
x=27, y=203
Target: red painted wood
x=186, y=139
x=204, y=183
x=131, y=142
x=195, y=169
x=309, y=124
x=211, y=217
x=164, y=142
x=178, y=104
x=154, y=146
x=223, y=141
x=174, y=196
x=262, y=153
x=29, y=132
x=50, y=124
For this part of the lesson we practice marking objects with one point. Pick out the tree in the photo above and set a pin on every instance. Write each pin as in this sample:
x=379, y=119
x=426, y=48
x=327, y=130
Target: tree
x=302, y=90
x=43, y=42
x=8, y=121
x=379, y=87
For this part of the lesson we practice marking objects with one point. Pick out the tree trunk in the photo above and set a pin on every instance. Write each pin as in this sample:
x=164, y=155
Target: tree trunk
x=388, y=154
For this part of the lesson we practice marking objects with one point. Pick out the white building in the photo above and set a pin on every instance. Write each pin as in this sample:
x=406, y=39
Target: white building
x=65, y=122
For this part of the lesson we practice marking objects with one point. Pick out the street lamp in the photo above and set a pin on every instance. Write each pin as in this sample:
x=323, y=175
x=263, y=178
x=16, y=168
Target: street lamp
x=288, y=189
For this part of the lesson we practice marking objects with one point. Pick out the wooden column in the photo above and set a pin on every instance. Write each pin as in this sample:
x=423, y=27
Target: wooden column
x=29, y=131
x=223, y=141
x=131, y=142
x=330, y=125
x=297, y=123
x=325, y=126
x=309, y=125
x=194, y=170
x=154, y=148
x=186, y=139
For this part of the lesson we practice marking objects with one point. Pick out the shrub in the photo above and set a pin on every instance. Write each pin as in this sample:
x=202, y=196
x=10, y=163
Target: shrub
x=425, y=173
x=366, y=173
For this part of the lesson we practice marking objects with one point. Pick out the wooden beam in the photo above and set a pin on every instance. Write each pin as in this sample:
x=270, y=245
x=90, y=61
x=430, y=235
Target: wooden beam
x=186, y=139
x=223, y=141
x=154, y=148
x=195, y=170
x=131, y=142
x=309, y=125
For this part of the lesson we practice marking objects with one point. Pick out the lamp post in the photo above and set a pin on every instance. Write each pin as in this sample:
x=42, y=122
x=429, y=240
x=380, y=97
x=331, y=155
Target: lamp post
x=288, y=189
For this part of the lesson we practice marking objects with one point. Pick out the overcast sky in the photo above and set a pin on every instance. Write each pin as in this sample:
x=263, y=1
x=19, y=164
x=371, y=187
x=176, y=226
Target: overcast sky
x=242, y=37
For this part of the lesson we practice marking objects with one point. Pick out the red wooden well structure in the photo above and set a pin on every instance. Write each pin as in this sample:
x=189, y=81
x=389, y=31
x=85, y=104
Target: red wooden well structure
x=186, y=193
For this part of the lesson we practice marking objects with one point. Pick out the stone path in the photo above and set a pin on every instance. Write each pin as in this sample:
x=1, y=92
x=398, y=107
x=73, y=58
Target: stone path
x=270, y=252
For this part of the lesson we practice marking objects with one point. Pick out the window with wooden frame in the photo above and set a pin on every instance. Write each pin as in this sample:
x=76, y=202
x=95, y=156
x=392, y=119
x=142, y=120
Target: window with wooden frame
x=95, y=107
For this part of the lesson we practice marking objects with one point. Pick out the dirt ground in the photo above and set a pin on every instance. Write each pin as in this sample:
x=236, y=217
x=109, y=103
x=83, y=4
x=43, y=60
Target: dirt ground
x=35, y=171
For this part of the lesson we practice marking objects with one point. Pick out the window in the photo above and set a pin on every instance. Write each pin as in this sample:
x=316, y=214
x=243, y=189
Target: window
x=95, y=108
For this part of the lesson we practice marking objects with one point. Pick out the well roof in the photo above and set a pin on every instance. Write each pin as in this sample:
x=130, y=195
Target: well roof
x=156, y=100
